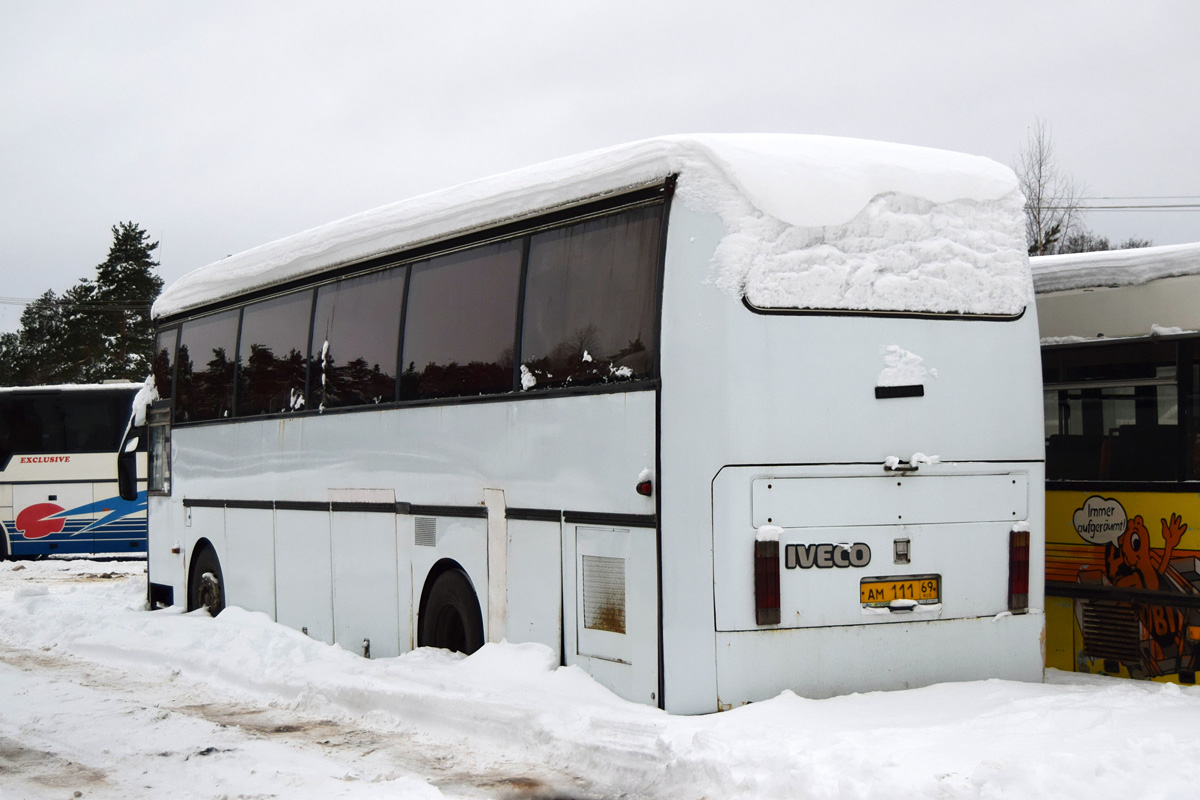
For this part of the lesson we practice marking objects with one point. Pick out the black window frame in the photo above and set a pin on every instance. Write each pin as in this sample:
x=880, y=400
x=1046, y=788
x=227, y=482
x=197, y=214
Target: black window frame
x=1065, y=369
x=658, y=195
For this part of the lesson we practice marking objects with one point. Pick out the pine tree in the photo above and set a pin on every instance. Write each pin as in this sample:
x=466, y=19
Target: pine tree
x=97, y=330
x=42, y=355
x=109, y=318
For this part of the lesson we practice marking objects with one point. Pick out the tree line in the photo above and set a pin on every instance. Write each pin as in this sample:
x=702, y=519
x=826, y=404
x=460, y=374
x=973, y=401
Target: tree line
x=97, y=330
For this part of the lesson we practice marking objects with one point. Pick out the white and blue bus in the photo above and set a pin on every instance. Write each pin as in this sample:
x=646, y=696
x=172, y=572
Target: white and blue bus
x=709, y=416
x=58, y=480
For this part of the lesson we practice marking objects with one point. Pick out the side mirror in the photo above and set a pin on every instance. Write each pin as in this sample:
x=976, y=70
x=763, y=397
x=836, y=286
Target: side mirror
x=127, y=464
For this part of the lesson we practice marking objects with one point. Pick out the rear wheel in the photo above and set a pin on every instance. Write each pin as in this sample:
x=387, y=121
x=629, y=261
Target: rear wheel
x=206, y=587
x=451, y=618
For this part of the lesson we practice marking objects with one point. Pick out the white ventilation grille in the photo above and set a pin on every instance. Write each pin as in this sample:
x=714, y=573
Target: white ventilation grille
x=604, y=593
x=426, y=531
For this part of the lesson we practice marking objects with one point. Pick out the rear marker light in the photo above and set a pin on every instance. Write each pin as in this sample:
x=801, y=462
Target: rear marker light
x=1018, y=571
x=645, y=488
x=766, y=582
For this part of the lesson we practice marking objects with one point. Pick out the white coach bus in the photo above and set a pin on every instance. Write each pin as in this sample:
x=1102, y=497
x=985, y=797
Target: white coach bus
x=710, y=416
x=58, y=480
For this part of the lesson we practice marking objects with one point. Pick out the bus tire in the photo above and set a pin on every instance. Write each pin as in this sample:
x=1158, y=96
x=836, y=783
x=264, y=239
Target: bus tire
x=206, y=585
x=451, y=617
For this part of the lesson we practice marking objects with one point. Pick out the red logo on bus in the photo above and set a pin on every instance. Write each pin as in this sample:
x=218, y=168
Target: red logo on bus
x=33, y=524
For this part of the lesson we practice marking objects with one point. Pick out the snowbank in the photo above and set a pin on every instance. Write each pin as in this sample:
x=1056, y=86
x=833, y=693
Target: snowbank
x=1074, y=736
x=812, y=222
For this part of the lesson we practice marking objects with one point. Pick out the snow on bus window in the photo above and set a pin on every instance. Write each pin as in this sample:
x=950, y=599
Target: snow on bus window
x=590, y=300
x=354, y=340
x=271, y=355
x=460, y=323
x=205, y=369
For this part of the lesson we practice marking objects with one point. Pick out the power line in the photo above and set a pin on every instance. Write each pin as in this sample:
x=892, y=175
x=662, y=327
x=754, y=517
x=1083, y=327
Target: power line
x=1124, y=207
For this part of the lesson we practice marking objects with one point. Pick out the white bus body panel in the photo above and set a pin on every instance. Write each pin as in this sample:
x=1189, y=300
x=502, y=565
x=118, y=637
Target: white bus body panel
x=250, y=544
x=1115, y=311
x=331, y=570
x=778, y=394
x=863, y=658
x=957, y=526
x=304, y=573
x=535, y=571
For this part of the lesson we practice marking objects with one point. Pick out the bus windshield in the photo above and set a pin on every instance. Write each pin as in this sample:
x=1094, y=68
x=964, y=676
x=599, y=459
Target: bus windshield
x=62, y=422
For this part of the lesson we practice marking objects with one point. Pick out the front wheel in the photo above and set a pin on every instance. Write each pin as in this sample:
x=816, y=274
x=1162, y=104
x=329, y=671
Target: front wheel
x=451, y=618
x=206, y=587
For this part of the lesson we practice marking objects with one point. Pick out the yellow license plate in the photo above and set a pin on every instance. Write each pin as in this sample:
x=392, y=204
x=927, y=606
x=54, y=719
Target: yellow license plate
x=924, y=589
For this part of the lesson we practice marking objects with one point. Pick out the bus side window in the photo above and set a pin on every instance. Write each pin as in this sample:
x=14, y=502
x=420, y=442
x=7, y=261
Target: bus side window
x=271, y=354
x=164, y=360
x=590, y=299
x=460, y=323
x=352, y=355
x=205, y=370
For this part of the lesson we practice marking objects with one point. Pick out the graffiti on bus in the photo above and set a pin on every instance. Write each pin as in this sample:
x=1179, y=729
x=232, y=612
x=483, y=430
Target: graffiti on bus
x=1150, y=636
x=40, y=520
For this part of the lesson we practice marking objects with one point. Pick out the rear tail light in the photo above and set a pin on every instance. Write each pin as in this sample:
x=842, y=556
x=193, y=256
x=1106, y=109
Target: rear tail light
x=1018, y=570
x=766, y=582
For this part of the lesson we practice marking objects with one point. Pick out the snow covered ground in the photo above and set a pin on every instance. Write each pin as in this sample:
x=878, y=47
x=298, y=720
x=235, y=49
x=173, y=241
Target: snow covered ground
x=102, y=699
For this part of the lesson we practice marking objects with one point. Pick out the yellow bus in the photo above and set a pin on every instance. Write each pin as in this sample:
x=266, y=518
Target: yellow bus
x=1121, y=370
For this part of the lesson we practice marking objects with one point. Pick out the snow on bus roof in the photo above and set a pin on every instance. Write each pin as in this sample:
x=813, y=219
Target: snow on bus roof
x=1114, y=267
x=806, y=219
x=115, y=386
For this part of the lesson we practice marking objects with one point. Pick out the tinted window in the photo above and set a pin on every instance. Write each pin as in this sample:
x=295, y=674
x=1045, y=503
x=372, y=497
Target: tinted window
x=590, y=301
x=205, y=369
x=461, y=323
x=355, y=331
x=164, y=360
x=1112, y=413
x=63, y=422
x=271, y=355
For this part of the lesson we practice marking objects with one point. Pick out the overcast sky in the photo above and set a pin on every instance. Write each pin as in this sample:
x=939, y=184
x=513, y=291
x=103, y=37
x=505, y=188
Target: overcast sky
x=218, y=126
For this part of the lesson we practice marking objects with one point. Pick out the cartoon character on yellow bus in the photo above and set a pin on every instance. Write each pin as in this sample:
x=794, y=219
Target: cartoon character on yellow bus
x=1132, y=563
x=1148, y=636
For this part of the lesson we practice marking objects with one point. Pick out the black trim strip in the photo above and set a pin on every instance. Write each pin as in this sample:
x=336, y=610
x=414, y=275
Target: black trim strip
x=618, y=520
x=255, y=504
x=1177, y=487
x=301, y=505
x=1080, y=591
x=363, y=506
x=200, y=502
x=534, y=514
x=886, y=392
x=479, y=512
x=839, y=312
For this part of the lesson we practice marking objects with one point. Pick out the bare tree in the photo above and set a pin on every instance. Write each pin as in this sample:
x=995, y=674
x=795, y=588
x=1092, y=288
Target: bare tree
x=1052, y=200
